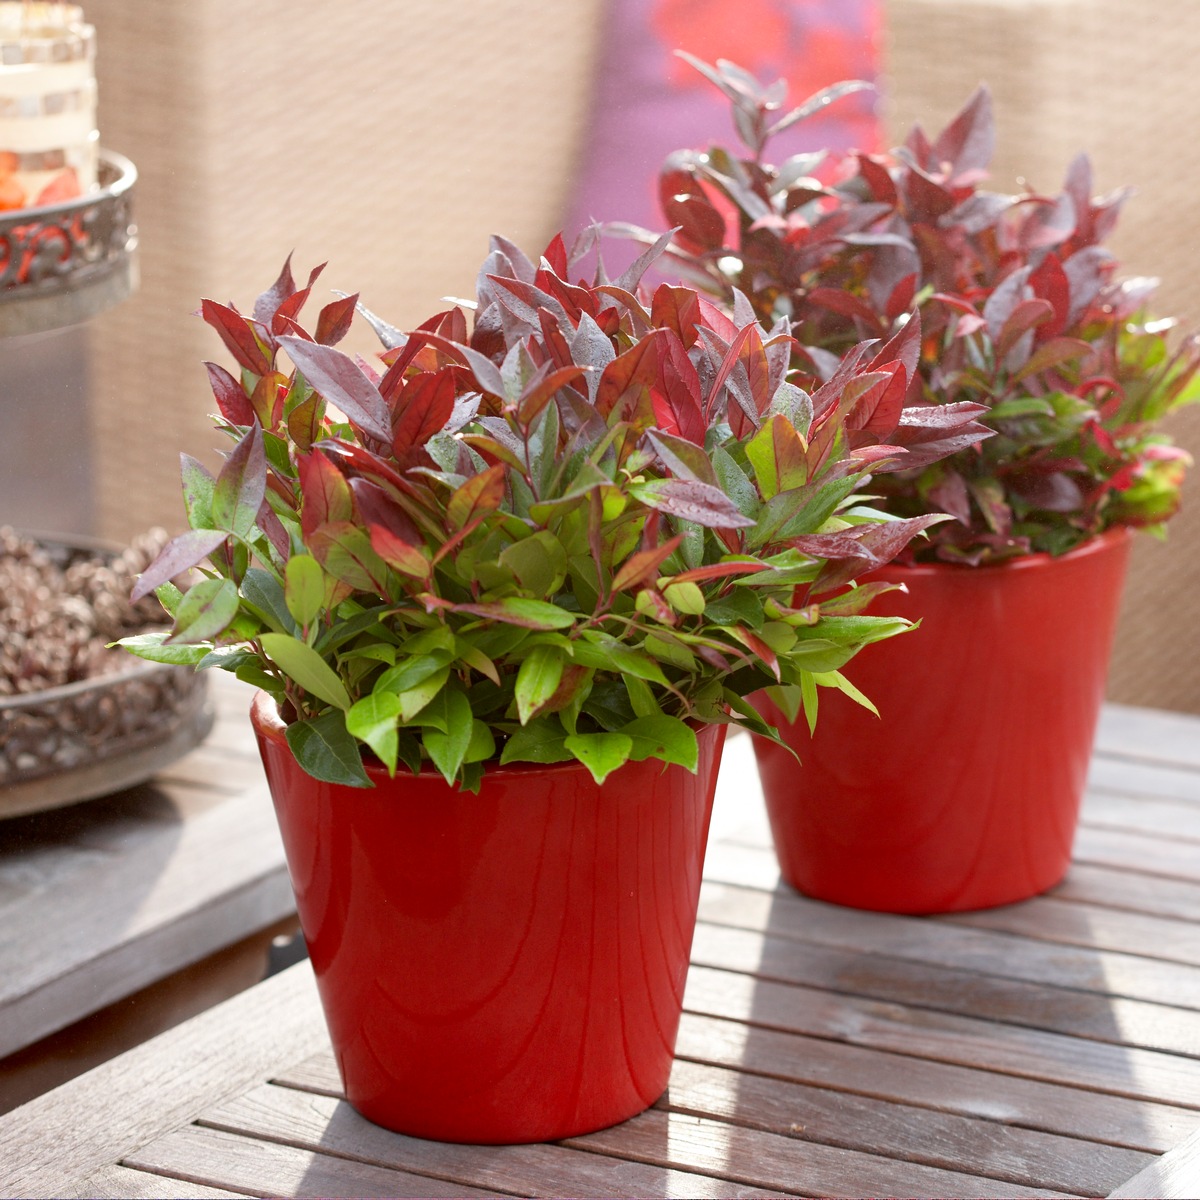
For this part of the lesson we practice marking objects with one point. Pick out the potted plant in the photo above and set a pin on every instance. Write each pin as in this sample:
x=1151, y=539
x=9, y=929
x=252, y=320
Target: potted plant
x=502, y=599
x=970, y=791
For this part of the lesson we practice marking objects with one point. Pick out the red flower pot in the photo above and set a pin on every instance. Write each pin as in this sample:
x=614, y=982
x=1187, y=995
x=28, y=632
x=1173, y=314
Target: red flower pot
x=500, y=967
x=966, y=793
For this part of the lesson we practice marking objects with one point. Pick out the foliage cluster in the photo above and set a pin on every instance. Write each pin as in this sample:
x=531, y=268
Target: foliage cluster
x=573, y=526
x=1021, y=310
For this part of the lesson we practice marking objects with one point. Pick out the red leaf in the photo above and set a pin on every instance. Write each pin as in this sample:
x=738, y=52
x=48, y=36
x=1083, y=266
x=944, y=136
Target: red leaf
x=422, y=409
x=676, y=400
x=335, y=319
x=1049, y=282
x=635, y=371
x=326, y=493
x=678, y=309
x=234, y=404
x=238, y=334
x=719, y=571
x=556, y=255
x=642, y=566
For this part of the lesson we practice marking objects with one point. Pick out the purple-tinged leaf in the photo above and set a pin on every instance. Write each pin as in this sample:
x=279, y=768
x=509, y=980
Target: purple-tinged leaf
x=266, y=306
x=241, y=485
x=340, y=380
x=176, y=558
x=273, y=530
x=964, y=149
x=690, y=500
x=683, y=457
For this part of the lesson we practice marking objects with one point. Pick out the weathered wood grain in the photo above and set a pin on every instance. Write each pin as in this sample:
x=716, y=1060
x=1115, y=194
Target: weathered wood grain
x=768, y=1160
x=92, y=1122
x=943, y=1087
x=123, y=1183
x=100, y=900
x=1174, y=1176
x=787, y=917
x=333, y=1127
x=970, y=1041
x=1149, y=735
x=894, y=1130
x=216, y=1158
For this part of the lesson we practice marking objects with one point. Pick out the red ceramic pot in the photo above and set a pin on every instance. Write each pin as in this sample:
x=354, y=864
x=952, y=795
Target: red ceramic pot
x=500, y=967
x=966, y=793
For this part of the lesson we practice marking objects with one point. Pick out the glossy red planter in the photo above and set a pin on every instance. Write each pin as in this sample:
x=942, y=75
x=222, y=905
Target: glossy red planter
x=965, y=792
x=500, y=967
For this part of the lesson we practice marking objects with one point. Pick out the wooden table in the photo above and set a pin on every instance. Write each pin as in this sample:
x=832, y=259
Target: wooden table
x=120, y=915
x=1047, y=1048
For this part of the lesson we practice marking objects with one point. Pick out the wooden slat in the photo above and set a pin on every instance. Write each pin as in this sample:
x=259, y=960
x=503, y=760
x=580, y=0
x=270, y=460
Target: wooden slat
x=123, y=1183
x=1068, y=923
x=93, y=1121
x=947, y=1087
x=948, y=1037
x=1175, y=1176
x=1129, y=890
x=895, y=1130
x=1167, y=789
x=265, y=1168
x=1123, y=848
x=332, y=1126
x=791, y=917
x=768, y=1160
x=972, y=993
x=1149, y=735
x=180, y=893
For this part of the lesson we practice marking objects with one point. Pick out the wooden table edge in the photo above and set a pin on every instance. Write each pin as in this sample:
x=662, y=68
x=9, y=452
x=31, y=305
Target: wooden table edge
x=96, y=1119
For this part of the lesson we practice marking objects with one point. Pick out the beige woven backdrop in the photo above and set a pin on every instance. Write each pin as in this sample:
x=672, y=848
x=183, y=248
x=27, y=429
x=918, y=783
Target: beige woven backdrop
x=392, y=139
x=389, y=139
x=1117, y=79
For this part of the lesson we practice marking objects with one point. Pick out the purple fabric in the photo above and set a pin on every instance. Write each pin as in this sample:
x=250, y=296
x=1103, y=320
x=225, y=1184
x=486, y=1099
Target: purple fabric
x=648, y=102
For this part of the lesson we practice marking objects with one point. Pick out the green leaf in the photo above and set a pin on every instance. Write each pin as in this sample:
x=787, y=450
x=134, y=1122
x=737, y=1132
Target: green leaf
x=537, y=680
x=206, y=610
x=482, y=745
x=197, y=492
x=516, y=610
x=601, y=753
x=154, y=647
x=411, y=672
x=304, y=588
x=325, y=749
x=448, y=749
x=541, y=741
x=169, y=597
x=373, y=720
x=663, y=737
x=415, y=699
x=265, y=595
x=306, y=667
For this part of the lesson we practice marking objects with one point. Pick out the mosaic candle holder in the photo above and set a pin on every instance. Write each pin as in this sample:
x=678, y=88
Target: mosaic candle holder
x=49, y=143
